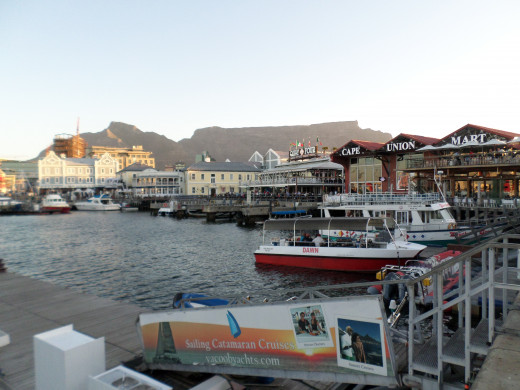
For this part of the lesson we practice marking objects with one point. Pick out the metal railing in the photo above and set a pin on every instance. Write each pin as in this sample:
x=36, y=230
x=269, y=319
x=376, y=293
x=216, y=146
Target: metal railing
x=381, y=198
x=486, y=274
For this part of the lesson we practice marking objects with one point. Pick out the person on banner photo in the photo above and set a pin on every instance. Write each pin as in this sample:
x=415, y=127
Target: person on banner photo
x=359, y=349
x=303, y=324
x=316, y=328
x=346, y=344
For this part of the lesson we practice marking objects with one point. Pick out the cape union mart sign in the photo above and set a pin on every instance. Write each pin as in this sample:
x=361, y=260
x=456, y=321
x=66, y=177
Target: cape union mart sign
x=302, y=151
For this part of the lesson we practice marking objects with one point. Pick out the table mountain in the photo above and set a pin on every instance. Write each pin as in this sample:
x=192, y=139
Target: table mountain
x=235, y=144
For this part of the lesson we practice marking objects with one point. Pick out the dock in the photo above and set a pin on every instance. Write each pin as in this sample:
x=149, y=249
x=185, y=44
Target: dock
x=29, y=306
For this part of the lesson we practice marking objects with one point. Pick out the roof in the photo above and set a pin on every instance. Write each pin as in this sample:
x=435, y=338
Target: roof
x=305, y=165
x=419, y=138
x=326, y=223
x=368, y=145
x=223, y=167
x=136, y=167
x=506, y=134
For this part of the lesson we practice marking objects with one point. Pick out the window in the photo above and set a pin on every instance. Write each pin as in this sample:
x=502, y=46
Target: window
x=248, y=177
x=230, y=176
x=111, y=170
x=239, y=177
x=192, y=190
x=212, y=178
x=102, y=170
x=56, y=171
x=222, y=177
x=202, y=190
x=192, y=176
x=201, y=176
x=80, y=170
x=70, y=170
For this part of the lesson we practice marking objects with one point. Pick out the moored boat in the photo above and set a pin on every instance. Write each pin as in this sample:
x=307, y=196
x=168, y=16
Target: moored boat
x=367, y=252
x=426, y=218
x=54, y=203
x=98, y=203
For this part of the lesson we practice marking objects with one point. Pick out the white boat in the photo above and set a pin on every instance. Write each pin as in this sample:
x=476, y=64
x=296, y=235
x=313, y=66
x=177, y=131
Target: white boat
x=426, y=218
x=98, y=203
x=54, y=203
x=8, y=204
x=367, y=252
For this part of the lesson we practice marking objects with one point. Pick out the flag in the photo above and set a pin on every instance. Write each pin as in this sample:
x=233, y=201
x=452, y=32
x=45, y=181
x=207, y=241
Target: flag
x=318, y=141
x=300, y=144
x=309, y=142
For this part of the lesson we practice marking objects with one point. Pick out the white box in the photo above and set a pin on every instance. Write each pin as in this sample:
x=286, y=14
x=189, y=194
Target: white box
x=121, y=377
x=64, y=359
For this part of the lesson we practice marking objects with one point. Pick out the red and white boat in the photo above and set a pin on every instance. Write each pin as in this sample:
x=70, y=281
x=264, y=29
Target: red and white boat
x=366, y=252
x=54, y=203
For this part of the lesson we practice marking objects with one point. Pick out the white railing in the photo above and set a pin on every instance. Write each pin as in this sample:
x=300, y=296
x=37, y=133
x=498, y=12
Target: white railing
x=381, y=198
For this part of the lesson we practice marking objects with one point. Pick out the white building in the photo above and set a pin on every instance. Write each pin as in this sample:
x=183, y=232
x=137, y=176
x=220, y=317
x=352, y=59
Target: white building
x=153, y=183
x=270, y=159
x=61, y=173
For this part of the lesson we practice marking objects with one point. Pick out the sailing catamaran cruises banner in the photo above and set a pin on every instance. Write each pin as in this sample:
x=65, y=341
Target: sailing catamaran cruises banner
x=342, y=335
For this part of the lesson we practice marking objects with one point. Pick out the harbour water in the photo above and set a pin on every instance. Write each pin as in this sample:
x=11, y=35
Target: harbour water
x=145, y=260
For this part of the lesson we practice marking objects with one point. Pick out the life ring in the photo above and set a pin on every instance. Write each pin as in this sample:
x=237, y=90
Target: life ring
x=165, y=204
x=452, y=226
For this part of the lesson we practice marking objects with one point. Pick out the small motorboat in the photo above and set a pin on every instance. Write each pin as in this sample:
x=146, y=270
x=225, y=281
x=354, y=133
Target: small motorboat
x=395, y=295
x=376, y=247
x=98, y=203
x=54, y=203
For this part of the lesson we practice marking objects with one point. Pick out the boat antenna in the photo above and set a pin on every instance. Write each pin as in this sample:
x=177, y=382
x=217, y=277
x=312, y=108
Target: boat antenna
x=437, y=175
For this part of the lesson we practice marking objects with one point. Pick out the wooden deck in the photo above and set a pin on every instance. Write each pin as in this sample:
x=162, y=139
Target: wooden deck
x=29, y=307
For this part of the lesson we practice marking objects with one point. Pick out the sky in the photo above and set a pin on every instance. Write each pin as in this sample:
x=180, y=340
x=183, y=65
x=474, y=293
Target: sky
x=171, y=67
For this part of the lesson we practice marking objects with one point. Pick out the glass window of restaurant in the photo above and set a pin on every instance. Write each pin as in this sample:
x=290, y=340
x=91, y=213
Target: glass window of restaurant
x=364, y=175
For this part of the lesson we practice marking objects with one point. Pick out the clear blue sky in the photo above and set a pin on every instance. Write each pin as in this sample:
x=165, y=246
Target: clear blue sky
x=419, y=67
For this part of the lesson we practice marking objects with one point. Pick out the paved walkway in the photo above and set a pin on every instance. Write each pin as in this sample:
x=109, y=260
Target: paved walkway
x=500, y=369
x=29, y=307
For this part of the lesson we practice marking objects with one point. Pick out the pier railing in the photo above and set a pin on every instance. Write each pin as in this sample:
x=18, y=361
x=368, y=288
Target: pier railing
x=381, y=198
x=489, y=278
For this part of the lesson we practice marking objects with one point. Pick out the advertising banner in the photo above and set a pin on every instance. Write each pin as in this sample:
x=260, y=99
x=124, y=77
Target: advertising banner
x=340, y=335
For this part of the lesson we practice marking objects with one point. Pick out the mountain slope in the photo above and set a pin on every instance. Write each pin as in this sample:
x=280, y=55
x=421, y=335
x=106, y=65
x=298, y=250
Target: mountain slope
x=237, y=144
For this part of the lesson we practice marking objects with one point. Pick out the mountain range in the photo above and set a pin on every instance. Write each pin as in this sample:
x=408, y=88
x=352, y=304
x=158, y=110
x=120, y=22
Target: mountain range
x=235, y=144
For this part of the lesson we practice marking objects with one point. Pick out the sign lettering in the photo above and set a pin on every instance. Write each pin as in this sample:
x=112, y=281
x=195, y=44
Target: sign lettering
x=351, y=151
x=399, y=146
x=460, y=140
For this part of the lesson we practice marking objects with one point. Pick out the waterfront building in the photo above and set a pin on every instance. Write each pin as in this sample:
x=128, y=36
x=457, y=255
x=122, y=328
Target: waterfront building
x=313, y=177
x=18, y=176
x=72, y=146
x=378, y=167
x=218, y=178
x=471, y=164
x=270, y=159
x=128, y=176
x=124, y=156
x=65, y=174
x=152, y=183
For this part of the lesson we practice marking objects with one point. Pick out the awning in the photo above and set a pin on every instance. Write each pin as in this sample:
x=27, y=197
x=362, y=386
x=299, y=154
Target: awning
x=327, y=223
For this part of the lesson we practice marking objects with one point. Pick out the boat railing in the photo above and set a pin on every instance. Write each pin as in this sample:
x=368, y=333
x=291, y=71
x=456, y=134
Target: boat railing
x=381, y=198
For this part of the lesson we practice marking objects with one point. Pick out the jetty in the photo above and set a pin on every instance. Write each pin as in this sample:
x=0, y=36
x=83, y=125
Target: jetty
x=483, y=351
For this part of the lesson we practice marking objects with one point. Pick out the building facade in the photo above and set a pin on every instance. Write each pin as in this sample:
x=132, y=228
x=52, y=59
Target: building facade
x=62, y=173
x=218, y=178
x=72, y=146
x=124, y=156
x=151, y=183
x=471, y=163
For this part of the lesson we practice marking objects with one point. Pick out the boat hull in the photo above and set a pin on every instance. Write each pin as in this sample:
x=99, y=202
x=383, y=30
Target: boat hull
x=57, y=209
x=87, y=207
x=355, y=260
